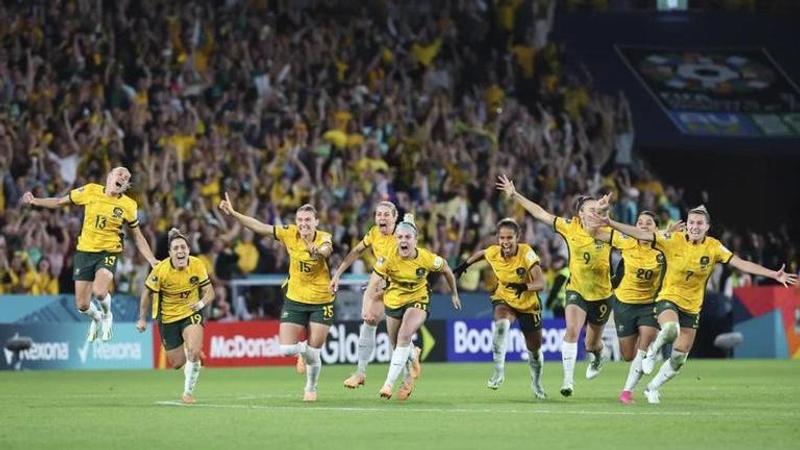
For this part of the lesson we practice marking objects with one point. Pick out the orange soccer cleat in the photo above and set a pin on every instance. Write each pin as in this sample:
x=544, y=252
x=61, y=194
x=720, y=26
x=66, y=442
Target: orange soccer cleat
x=188, y=399
x=406, y=389
x=300, y=365
x=386, y=391
x=309, y=396
x=355, y=380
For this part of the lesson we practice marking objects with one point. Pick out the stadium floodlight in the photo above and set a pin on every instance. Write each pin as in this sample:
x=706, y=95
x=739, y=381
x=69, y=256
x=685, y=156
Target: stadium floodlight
x=672, y=5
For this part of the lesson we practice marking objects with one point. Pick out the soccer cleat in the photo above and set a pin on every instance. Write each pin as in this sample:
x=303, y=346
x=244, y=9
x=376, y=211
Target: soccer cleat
x=309, y=396
x=386, y=391
x=94, y=329
x=566, y=389
x=355, y=380
x=626, y=397
x=300, y=365
x=406, y=389
x=188, y=399
x=649, y=361
x=105, y=326
x=497, y=378
x=416, y=366
x=653, y=396
x=594, y=367
x=538, y=391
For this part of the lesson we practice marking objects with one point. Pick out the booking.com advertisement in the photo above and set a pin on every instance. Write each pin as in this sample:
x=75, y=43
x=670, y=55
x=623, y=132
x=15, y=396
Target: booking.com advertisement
x=471, y=340
x=64, y=346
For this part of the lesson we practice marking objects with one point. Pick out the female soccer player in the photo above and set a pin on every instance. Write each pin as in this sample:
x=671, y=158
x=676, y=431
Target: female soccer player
x=182, y=288
x=639, y=272
x=308, y=306
x=99, y=243
x=690, y=257
x=381, y=239
x=401, y=278
x=589, y=287
x=519, y=278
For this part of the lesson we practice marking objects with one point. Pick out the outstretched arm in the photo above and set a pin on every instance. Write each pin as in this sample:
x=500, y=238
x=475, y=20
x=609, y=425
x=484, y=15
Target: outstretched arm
x=506, y=185
x=144, y=307
x=143, y=246
x=50, y=202
x=451, y=281
x=786, y=279
x=348, y=260
x=250, y=222
x=630, y=230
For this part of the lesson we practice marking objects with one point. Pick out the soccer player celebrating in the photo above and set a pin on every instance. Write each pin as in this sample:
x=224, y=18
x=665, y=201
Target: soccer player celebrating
x=380, y=239
x=639, y=274
x=690, y=258
x=519, y=278
x=589, y=287
x=401, y=278
x=308, y=306
x=181, y=288
x=106, y=209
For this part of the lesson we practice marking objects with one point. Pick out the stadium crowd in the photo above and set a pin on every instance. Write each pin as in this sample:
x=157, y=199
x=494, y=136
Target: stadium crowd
x=340, y=104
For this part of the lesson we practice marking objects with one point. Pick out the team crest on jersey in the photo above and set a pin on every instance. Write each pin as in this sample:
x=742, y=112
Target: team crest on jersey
x=704, y=260
x=660, y=258
x=286, y=227
x=520, y=272
x=194, y=280
x=154, y=278
x=117, y=213
x=420, y=272
x=598, y=244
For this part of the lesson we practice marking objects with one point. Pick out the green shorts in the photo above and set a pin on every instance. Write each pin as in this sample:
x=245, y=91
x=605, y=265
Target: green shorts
x=172, y=333
x=87, y=263
x=398, y=313
x=528, y=321
x=597, y=311
x=628, y=317
x=685, y=319
x=303, y=313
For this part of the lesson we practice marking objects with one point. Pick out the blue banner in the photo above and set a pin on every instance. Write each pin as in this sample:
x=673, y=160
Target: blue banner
x=471, y=340
x=64, y=346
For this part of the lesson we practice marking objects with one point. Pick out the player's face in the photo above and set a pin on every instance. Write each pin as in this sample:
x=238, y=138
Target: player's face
x=507, y=240
x=406, y=242
x=385, y=219
x=697, y=226
x=306, y=222
x=179, y=253
x=118, y=180
x=646, y=223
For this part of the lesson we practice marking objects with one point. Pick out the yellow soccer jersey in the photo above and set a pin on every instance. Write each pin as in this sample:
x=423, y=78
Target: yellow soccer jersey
x=589, y=260
x=176, y=289
x=103, y=217
x=407, y=279
x=689, y=267
x=515, y=269
x=644, y=266
x=309, y=278
x=381, y=244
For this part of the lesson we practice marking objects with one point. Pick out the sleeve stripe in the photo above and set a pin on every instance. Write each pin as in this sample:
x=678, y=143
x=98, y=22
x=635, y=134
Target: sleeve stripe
x=133, y=224
x=206, y=282
x=150, y=289
x=555, y=218
x=730, y=257
x=70, y=198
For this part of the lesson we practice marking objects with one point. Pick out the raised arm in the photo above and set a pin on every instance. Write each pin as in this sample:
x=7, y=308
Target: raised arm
x=144, y=307
x=630, y=230
x=506, y=185
x=348, y=261
x=143, y=246
x=786, y=279
x=50, y=202
x=250, y=222
x=475, y=257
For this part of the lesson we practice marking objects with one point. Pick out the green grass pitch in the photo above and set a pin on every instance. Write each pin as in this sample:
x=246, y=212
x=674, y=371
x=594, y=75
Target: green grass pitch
x=711, y=405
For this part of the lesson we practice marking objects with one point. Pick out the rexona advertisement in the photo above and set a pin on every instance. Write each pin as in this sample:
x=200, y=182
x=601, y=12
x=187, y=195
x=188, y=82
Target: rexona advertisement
x=471, y=340
x=64, y=346
x=730, y=92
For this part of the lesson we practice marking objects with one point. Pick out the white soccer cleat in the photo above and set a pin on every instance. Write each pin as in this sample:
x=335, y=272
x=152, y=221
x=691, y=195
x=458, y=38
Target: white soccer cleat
x=649, y=361
x=566, y=389
x=94, y=329
x=497, y=378
x=652, y=396
x=595, y=366
x=538, y=391
x=105, y=326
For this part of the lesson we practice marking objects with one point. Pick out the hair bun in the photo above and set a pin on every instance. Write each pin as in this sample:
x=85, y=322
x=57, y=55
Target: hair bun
x=173, y=232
